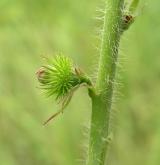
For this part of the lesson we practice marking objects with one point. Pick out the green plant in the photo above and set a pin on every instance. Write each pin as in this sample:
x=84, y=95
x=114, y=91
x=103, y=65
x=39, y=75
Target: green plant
x=61, y=79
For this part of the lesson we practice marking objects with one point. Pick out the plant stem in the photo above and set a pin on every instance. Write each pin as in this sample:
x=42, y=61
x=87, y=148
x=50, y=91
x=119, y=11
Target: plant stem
x=133, y=6
x=102, y=100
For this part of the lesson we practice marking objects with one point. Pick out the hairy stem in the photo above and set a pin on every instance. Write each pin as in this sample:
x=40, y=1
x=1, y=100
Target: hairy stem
x=133, y=6
x=102, y=100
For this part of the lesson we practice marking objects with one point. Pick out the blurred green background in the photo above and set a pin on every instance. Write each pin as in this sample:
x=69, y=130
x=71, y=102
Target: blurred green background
x=31, y=29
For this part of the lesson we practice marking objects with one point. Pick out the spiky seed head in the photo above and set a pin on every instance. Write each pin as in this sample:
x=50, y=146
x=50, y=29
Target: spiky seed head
x=58, y=77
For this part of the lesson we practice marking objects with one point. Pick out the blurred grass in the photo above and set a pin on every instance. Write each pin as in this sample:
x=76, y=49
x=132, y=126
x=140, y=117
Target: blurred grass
x=32, y=29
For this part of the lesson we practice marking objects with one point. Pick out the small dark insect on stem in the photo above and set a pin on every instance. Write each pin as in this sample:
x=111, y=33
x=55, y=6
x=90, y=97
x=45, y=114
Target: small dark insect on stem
x=128, y=18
